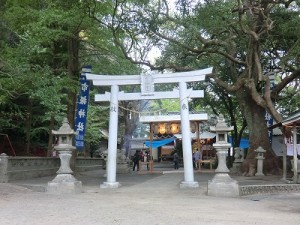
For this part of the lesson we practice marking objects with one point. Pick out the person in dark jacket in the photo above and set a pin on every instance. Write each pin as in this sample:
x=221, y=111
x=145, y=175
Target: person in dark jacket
x=176, y=161
x=136, y=159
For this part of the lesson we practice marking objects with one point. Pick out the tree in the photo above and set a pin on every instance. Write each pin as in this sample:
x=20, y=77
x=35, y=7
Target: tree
x=247, y=41
x=43, y=46
x=36, y=62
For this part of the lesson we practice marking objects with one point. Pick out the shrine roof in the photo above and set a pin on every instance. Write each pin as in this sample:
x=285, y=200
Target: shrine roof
x=292, y=120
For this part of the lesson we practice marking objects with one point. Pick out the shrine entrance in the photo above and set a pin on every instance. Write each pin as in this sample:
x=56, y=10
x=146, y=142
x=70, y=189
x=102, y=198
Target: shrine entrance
x=168, y=127
x=148, y=92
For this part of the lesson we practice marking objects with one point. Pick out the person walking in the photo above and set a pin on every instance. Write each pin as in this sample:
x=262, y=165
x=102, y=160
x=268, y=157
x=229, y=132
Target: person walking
x=136, y=159
x=197, y=157
x=148, y=159
x=176, y=160
x=194, y=161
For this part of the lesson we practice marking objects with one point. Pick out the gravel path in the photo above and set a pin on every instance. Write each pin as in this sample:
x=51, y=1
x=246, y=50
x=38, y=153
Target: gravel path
x=146, y=200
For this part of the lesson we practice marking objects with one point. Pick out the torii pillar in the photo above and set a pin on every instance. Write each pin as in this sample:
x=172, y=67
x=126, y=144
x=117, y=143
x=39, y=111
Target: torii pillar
x=186, y=139
x=111, y=165
x=148, y=92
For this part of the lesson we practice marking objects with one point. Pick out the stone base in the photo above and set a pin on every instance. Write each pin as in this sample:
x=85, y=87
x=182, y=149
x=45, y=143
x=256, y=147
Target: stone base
x=3, y=178
x=185, y=184
x=123, y=168
x=110, y=185
x=236, y=168
x=222, y=185
x=222, y=169
x=259, y=174
x=64, y=184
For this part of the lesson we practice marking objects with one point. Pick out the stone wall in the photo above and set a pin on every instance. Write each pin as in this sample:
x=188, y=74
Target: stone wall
x=268, y=189
x=85, y=164
x=17, y=168
x=30, y=167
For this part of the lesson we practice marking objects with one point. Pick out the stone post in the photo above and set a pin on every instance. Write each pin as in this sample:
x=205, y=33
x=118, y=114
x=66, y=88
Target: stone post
x=3, y=168
x=295, y=157
x=260, y=158
x=104, y=157
x=123, y=166
x=238, y=160
x=222, y=185
x=64, y=182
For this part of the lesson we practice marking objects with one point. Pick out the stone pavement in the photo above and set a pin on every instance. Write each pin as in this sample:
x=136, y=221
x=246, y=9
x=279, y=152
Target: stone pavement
x=153, y=199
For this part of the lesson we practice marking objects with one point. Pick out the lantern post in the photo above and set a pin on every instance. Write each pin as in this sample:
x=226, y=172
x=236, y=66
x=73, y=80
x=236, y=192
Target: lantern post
x=64, y=182
x=222, y=185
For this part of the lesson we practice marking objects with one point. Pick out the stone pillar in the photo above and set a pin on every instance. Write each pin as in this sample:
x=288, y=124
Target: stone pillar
x=295, y=155
x=65, y=157
x=104, y=157
x=260, y=159
x=3, y=168
x=284, y=168
x=111, y=164
x=186, y=139
x=222, y=152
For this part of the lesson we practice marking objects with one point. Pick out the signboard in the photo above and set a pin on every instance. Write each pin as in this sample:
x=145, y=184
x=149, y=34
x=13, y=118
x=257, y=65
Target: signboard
x=82, y=108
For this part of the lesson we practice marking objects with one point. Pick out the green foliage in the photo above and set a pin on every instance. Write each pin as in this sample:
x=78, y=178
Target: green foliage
x=97, y=119
x=35, y=45
x=164, y=106
x=245, y=42
x=34, y=65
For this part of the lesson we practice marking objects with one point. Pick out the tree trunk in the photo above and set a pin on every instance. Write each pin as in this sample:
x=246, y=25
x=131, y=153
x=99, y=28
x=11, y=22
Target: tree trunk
x=130, y=123
x=50, y=140
x=73, y=71
x=28, y=126
x=258, y=136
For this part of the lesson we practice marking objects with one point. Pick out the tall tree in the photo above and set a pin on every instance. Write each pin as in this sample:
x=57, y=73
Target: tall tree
x=246, y=39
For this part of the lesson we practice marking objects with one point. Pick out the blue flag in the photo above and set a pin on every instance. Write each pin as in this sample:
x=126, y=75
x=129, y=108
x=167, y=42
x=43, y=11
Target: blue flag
x=82, y=108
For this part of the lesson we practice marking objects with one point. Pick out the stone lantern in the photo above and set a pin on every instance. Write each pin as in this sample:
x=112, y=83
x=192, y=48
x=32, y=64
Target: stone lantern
x=222, y=185
x=64, y=182
x=221, y=129
x=260, y=158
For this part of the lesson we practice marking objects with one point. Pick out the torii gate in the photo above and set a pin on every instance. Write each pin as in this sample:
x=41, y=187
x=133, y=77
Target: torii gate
x=147, y=92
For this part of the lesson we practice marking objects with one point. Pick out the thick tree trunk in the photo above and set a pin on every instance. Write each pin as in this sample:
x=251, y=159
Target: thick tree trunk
x=258, y=136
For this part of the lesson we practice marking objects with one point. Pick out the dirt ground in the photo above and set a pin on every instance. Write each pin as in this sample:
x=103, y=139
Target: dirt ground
x=142, y=199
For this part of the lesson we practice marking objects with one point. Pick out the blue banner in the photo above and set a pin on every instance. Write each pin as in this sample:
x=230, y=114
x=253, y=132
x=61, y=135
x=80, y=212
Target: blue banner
x=269, y=121
x=159, y=143
x=82, y=108
x=268, y=116
x=244, y=142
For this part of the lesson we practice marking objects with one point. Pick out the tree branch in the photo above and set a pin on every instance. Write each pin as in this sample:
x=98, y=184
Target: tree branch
x=285, y=81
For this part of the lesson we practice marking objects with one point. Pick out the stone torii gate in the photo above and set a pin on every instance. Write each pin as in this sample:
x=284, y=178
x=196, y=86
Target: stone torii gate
x=148, y=92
